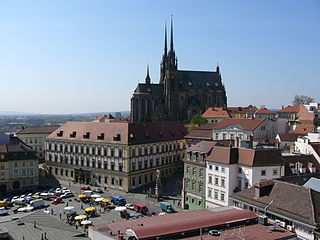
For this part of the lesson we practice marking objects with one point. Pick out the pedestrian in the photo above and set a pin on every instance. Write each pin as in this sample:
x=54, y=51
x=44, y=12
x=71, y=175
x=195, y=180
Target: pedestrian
x=60, y=216
x=51, y=211
x=81, y=206
x=174, y=201
x=67, y=203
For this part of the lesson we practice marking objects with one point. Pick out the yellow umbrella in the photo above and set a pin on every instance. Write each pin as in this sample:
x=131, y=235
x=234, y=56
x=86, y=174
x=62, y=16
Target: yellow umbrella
x=82, y=196
x=80, y=217
x=90, y=209
x=106, y=200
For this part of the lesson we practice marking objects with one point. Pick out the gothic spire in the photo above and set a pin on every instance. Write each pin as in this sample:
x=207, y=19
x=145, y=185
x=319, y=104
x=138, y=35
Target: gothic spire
x=165, y=40
x=148, y=80
x=171, y=38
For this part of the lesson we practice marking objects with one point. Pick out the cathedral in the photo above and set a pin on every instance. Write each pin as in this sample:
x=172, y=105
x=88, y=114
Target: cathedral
x=180, y=94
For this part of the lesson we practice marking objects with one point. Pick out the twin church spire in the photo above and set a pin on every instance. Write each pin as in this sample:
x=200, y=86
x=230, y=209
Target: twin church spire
x=169, y=60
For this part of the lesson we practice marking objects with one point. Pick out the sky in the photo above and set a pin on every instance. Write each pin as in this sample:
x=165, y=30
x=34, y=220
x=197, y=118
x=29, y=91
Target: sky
x=80, y=56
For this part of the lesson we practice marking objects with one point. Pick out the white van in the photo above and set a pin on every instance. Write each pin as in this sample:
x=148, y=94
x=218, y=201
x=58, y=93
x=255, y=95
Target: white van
x=39, y=203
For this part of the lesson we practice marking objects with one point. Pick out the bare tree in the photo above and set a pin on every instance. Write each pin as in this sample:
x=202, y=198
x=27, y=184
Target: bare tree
x=301, y=99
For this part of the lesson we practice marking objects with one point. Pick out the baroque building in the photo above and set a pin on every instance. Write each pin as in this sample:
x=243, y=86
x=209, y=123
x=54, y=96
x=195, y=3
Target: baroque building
x=180, y=94
x=117, y=155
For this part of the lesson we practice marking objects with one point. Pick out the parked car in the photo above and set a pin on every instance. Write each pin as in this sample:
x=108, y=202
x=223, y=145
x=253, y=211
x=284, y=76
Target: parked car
x=141, y=208
x=67, y=195
x=118, y=200
x=57, y=200
x=85, y=188
x=97, y=190
x=166, y=207
x=39, y=203
x=129, y=206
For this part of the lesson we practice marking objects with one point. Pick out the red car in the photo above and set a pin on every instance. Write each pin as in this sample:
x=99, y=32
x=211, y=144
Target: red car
x=85, y=188
x=57, y=200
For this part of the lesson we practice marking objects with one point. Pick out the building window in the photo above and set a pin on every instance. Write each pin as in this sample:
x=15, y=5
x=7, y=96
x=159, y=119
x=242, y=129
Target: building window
x=112, y=181
x=194, y=171
x=275, y=171
x=133, y=165
x=263, y=128
x=223, y=169
x=223, y=182
x=210, y=180
x=133, y=181
x=240, y=183
x=200, y=202
x=201, y=172
x=193, y=186
x=263, y=172
x=239, y=170
x=145, y=178
x=222, y=196
x=216, y=181
x=140, y=180
x=246, y=184
x=210, y=167
x=209, y=192
x=120, y=167
x=216, y=194
x=200, y=187
x=105, y=179
x=120, y=182
x=217, y=168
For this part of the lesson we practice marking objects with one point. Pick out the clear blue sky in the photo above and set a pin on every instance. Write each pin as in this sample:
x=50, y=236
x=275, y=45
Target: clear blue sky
x=87, y=56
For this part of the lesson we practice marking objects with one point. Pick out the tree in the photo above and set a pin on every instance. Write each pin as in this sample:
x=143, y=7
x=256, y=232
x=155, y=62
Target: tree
x=196, y=121
x=301, y=99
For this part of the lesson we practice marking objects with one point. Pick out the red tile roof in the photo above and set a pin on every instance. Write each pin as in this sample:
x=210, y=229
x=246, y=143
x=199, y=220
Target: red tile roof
x=201, y=147
x=38, y=130
x=224, y=155
x=150, y=227
x=216, y=112
x=294, y=109
x=120, y=132
x=202, y=132
x=245, y=124
x=241, y=110
x=255, y=231
x=288, y=137
x=304, y=129
x=264, y=110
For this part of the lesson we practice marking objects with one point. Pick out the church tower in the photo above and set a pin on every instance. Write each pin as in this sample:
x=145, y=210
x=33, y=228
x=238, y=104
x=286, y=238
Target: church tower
x=171, y=86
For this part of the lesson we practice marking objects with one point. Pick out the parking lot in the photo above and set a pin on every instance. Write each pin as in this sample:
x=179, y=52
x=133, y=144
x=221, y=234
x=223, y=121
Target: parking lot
x=104, y=216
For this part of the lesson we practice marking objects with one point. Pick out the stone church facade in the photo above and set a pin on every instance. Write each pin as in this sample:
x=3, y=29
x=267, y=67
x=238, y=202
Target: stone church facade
x=180, y=94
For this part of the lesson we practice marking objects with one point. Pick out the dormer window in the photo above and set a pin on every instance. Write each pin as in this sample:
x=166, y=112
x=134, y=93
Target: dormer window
x=117, y=138
x=60, y=134
x=190, y=83
x=101, y=136
x=73, y=134
x=87, y=135
x=148, y=90
x=208, y=84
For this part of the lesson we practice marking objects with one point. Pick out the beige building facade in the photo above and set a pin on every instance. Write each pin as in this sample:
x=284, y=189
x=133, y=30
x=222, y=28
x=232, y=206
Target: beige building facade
x=118, y=155
x=18, y=165
x=35, y=137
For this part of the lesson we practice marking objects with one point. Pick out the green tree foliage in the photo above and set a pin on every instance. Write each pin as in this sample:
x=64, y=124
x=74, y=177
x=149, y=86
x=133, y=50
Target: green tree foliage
x=301, y=99
x=196, y=121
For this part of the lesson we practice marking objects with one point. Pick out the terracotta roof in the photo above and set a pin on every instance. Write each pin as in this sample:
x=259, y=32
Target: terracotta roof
x=264, y=110
x=224, y=155
x=306, y=161
x=245, y=124
x=242, y=110
x=216, y=112
x=286, y=199
x=304, y=128
x=288, y=137
x=201, y=147
x=38, y=130
x=119, y=132
x=294, y=109
x=260, y=157
x=246, y=156
x=255, y=231
x=202, y=132
x=176, y=223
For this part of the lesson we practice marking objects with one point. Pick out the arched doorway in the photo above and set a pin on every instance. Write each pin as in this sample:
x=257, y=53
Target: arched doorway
x=3, y=188
x=16, y=185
